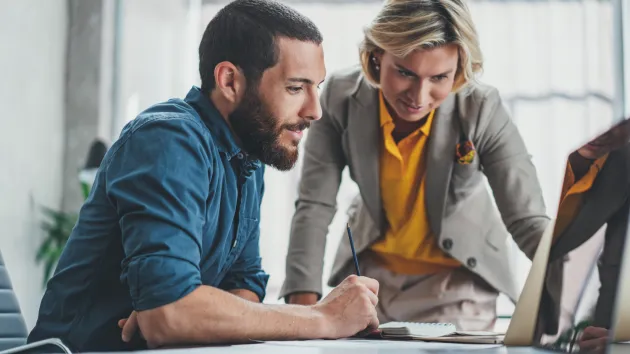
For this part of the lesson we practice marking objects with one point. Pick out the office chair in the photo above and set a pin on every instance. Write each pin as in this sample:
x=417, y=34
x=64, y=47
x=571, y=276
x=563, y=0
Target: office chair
x=13, y=331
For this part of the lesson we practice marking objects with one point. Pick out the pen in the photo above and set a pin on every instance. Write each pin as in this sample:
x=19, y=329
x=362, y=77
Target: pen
x=354, y=253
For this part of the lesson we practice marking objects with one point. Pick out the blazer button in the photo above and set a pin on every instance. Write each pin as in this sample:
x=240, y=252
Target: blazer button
x=447, y=244
x=472, y=262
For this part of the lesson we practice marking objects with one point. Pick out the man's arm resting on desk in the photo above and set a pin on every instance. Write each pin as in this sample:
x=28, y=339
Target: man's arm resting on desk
x=129, y=325
x=245, y=294
x=210, y=315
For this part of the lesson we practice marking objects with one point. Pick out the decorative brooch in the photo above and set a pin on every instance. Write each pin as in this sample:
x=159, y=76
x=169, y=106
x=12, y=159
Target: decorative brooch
x=465, y=152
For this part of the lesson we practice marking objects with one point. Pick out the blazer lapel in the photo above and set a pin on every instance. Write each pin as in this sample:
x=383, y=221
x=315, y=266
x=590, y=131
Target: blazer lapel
x=364, y=141
x=442, y=144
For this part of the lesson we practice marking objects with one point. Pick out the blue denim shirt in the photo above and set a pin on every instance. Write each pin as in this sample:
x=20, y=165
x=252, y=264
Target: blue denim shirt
x=175, y=204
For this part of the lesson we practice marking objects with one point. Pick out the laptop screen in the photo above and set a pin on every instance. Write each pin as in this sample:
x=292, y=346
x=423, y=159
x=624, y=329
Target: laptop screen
x=580, y=287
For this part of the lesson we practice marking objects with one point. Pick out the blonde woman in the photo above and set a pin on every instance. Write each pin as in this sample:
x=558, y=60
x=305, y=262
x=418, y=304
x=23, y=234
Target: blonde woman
x=418, y=135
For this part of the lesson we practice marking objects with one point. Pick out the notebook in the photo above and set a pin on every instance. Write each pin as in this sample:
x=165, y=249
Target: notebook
x=435, y=332
x=417, y=329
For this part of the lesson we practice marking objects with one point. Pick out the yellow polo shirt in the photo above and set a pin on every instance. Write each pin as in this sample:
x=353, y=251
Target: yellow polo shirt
x=573, y=192
x=408, y=247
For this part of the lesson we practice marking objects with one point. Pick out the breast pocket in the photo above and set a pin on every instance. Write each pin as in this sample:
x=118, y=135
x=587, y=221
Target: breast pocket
x=465, y=178
x=466, y=170
x=247, y=229
x=227, y=252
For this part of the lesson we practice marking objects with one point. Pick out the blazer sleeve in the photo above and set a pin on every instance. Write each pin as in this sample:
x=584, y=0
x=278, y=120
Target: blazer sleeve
x=511, y=174
x=323, y=163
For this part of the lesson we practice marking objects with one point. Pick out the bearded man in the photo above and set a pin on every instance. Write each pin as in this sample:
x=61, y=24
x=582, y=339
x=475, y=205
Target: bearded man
x=168, y=239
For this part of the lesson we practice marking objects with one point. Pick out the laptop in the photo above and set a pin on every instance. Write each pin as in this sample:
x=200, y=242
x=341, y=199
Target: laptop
x=574, y=279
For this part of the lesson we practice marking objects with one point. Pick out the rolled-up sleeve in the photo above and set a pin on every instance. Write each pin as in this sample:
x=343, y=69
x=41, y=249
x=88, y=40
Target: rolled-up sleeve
x=247, y=272
x=158, y=181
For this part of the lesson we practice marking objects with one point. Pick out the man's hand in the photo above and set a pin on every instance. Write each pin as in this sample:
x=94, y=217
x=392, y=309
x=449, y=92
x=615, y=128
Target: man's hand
x=350, y=308
x=302, y=299
x=129, y=326
x=593, y=339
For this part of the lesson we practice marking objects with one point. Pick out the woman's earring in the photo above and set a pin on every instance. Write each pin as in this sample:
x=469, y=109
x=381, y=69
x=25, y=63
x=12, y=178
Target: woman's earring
x=376, y=66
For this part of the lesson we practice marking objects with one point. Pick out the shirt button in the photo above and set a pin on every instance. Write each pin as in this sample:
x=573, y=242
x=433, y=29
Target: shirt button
x=472, y=262
x=447, y=244
x=239, y=156
x=235, y=243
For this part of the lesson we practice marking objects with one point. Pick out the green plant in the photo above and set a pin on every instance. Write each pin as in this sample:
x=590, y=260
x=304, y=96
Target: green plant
x=58, y=226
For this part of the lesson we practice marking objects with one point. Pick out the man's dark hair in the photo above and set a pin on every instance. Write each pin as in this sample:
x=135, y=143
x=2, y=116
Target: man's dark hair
x=244, y=33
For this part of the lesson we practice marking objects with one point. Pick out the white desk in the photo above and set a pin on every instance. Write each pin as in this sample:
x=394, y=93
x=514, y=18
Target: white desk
x=351, y=346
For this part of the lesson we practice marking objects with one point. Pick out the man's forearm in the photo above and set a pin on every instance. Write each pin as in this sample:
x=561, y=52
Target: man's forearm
x=245, y=294
x=210, y=315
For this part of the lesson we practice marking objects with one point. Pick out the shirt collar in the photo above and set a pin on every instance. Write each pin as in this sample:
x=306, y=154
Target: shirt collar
x=571, y=186
x=221, y=131
x=384, y=115
x=224, y=137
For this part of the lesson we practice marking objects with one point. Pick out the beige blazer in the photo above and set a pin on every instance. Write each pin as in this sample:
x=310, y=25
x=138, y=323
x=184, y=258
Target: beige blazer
x=462, y=213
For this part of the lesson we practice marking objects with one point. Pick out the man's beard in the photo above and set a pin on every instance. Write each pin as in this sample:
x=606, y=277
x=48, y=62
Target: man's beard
x=259, y=132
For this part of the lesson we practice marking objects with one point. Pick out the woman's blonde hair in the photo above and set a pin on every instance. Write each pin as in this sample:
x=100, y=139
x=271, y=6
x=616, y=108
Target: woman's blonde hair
x=403, y=26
